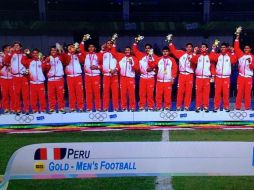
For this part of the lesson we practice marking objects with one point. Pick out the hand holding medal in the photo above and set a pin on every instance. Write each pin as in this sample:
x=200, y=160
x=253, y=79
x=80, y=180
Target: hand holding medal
x=114, y=37
x=169, y=38
x=59, y=48
x=86, y=37
x=139, y=38
x=238, y=30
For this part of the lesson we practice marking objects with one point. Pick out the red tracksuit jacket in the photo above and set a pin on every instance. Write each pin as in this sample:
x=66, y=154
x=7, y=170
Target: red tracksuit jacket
x=223, y=63
x=145, y=61
x=91, y=59
x=245, y=67
x=185, y=65
x=127, y=65
x=36, y=69
x=167, y=69
x=205, y=68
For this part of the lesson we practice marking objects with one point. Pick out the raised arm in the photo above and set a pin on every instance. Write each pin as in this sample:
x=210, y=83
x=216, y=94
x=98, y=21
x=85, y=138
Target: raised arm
x=116, y=54
x=136, y=51
x=82, y=48
x=238, y=51
x=175, y=52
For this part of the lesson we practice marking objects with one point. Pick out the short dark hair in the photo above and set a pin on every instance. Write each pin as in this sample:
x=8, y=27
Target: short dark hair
x=90, y=44
x=189, y=44
x=17, y=42
x=165, y=48
x=128, y=47
x=205, y=44
x=225, y=44
x=148, y=45
x=5, y=46
x=52, y=47
x=247, y=45
x=36, y=49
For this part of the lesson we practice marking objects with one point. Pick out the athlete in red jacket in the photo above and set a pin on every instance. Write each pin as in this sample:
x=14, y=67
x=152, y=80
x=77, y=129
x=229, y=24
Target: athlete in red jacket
x=204, y=71
x=20, y=79
x=244, y=80
x=185, y=80
x=55, y=81
x=127, y=66
x=167, y=72
x=147, y=80
x=92, y=69
x=6, y=83
x=72, y=60
x=36, y=73
x=110, y=77
x=223, y=61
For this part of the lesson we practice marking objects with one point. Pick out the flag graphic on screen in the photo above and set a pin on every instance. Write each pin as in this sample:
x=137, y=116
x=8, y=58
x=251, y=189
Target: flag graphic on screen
x=50, y=153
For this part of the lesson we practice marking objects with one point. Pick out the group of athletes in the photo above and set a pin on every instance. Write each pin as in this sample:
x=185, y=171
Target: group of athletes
x=23, y=75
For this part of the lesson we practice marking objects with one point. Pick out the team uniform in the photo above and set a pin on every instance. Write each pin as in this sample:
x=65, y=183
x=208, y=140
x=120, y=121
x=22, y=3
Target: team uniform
x=147, y=81
x=56, y=83
x=167, y=71
x=110, y=81
x=6, y=83
x=204, y=70
x=37, y=88
x=73, y=71
x=185, y=79
x=222, y=78
x=20, y=81
x=127, y=66
x=244, y=80
x=92, y=78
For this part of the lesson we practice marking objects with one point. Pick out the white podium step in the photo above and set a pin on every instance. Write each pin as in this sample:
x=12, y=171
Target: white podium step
x=125, y=117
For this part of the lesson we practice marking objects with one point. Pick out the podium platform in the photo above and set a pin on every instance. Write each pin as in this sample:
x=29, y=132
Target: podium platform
x=125, y=117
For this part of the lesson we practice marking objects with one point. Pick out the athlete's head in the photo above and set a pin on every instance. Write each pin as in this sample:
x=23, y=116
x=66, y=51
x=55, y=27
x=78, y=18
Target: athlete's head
x=224, y=47
x=91, y=48
x=71, y=48
x=247, y=48
x=53, y=51
x=35, y=53
x=204, y=48
x=17, y=46
x=127, y=50
x=109, y=44
x=148, y=47
x=165, y=51
x=189, y=47
x=6, y=48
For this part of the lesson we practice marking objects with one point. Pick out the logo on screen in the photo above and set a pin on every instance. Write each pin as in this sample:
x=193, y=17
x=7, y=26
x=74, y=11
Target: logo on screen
x=39, y=167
